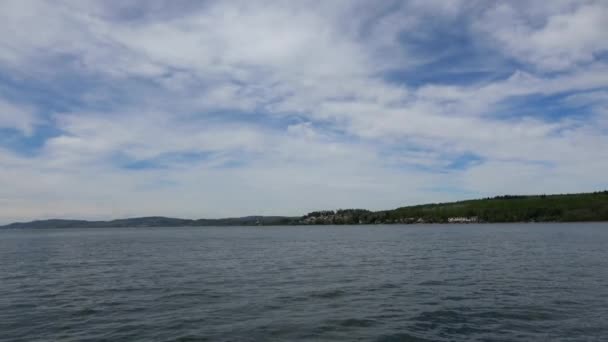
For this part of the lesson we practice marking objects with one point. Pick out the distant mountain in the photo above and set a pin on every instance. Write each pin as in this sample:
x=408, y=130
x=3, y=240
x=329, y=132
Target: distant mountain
x=538, y=208
x=154, y=221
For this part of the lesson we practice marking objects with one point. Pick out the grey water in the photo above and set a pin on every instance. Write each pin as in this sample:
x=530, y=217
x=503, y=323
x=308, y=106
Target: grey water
x=506, y=282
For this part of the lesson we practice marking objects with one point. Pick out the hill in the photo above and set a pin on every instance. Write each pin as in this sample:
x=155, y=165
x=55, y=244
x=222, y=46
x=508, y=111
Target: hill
x=539, y=208
x=153, y=221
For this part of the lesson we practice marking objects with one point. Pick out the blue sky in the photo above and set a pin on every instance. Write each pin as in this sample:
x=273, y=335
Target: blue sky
x=231, y=108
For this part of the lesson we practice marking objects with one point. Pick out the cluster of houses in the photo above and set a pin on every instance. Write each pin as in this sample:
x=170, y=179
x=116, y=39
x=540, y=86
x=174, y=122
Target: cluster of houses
x=328, y=217
x=411, y=220
x=473, y=219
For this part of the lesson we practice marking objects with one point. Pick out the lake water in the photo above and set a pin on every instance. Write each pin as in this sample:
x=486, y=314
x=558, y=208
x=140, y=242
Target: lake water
x=508, y=282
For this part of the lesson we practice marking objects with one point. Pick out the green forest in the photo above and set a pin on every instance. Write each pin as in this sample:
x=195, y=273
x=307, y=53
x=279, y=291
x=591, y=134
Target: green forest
x=538, y=208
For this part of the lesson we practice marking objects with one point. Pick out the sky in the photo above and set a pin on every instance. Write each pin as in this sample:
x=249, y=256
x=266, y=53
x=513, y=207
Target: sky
x=112, y=109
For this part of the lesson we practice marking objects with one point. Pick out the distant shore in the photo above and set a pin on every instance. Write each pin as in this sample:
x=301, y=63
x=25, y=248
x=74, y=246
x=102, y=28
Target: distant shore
x=583, y=207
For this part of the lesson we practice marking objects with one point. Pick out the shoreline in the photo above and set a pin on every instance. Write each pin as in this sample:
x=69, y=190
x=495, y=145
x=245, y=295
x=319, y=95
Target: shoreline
x=307, y=225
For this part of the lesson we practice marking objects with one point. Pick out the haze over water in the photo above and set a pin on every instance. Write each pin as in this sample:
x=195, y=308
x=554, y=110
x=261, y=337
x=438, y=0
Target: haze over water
x=507, y=282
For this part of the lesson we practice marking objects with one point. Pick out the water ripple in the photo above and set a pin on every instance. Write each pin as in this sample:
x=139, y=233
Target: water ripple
x=362, y=283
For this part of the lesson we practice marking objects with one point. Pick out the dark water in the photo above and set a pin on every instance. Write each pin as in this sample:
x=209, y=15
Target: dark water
x=361, y=283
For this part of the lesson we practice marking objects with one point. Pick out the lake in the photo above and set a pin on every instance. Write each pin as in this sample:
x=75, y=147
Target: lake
x=503, y=282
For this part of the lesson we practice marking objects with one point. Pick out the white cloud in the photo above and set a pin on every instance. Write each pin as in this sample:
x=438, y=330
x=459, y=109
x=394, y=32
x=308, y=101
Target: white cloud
x=561, y=40
x=283, y=107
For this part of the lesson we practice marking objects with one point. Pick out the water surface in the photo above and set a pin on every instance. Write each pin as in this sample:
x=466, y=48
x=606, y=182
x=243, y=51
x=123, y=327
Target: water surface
x=509, y=282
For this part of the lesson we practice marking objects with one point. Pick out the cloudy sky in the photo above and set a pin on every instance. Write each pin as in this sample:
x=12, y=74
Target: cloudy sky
x=195, y=109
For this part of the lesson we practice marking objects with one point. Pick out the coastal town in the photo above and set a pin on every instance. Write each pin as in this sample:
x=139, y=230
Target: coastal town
x=362, y=216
